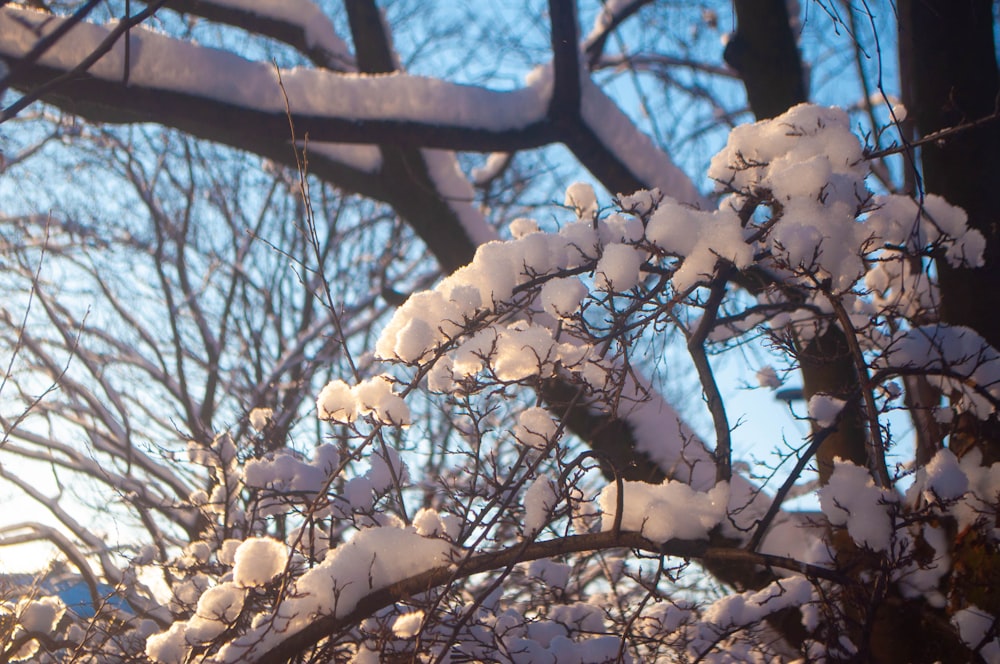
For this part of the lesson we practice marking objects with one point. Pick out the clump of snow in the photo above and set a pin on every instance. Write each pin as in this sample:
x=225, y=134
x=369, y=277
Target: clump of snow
x=808, y=165
x=666, y=617
x=376, y=396
x=851, y=499
x=373, y=559
x=640, y=202
x=535, y=427
x=580, y=197
x=284, y=470
x=259, y=417
x=408, y=625
x=957, y=359
x=561, y=297
x=742, y=609
x=973, y=625
x=523, y=226
x=217, y=609
x=977, y=506
x=336, y=402
x=365, y=655
x=359, y=492
x=227, y=552
x=40, y=615
x=618, y=268
x=428, y=523
x=340, y=402
x=824, y=409
x=540, y=499
x=671, y=510
x=169, y=647
x=258, y=561
x=945, y=478
x=768, y=377
x=386, y=470
x=553, y=574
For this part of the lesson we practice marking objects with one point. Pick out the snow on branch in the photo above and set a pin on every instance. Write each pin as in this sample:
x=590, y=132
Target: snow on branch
x=330, y=107
x=299, y=23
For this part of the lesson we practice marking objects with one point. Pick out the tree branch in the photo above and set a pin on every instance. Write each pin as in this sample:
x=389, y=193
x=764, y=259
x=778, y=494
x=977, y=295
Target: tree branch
x=325, y=626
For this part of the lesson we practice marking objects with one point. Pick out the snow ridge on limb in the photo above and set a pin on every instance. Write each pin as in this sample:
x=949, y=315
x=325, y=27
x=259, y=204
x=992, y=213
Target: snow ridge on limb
x=299, y=23
x=328, y=106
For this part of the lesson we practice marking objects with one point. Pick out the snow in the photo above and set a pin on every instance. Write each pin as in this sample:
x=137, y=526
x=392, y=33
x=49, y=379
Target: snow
x=365, y=655
x=824, y=409
x=493, y=168
x=901, y=222
x=535, y=427
x=319, y=30
x=522, y=350
x=359, y=493
x=553, y=574
x=259, y=417
x=364, y=158
x=581, y=198
x=225, y=77
x=539, y=500
x=744, y=609
x=618, y=268
x=641, y=202
x=336, y=402
x=957, y=359
x=522, y=226
x=428, y=523
x=340, y=402
x=851, y=499
x=978, y=505
x=633, y=148
x=701, y=237
x=217, y=609
x=227, y=552
x=373, y=559
x=562, y=296
x=168, y=647
x=945, y=479
x=768, y=377
x=450, y=183
x=258, y=560
x=376, y=396
x=284, y=471
x=40, y=615
x=386, y=470
x=973, y=625
x=671, y=510
x=407, y=625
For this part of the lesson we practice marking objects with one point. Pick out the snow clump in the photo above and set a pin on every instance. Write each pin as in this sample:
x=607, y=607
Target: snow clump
x=851, y=499
x=258, y=561
x=671, y=510
x=539, y=500
x=824, y=409
x=340, y=402
x=535, y=427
